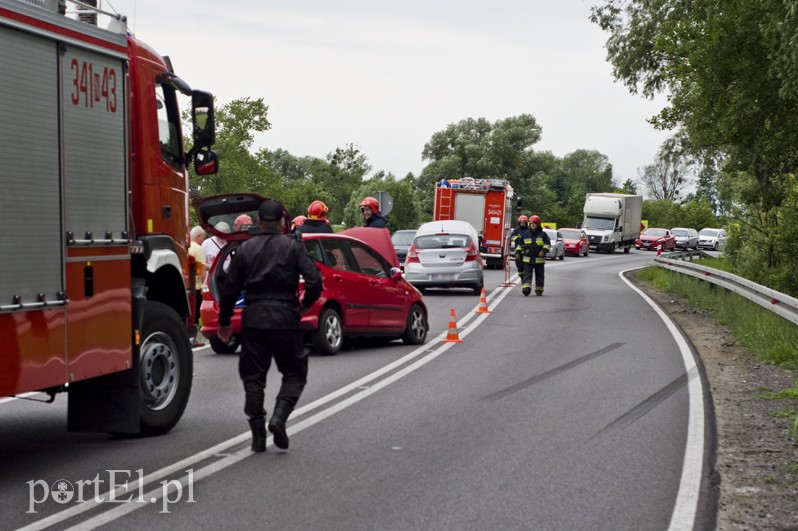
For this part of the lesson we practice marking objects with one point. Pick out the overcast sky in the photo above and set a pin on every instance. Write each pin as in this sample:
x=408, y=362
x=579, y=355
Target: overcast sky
x=387, y=75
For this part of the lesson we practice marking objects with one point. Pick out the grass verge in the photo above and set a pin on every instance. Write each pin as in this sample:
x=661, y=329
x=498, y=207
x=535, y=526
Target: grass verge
x=772, y=339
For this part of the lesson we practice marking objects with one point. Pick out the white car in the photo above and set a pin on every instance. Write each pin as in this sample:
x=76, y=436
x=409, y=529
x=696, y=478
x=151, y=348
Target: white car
x=445, y=254
x=557, y=250
x=686, y=238
x=713, y=239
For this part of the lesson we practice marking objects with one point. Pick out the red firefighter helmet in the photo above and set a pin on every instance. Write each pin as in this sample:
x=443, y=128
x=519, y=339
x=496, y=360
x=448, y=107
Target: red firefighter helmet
x=522, y=218
x=535, y=219
x=372, y=203
x=242, y=222
x=317, y=210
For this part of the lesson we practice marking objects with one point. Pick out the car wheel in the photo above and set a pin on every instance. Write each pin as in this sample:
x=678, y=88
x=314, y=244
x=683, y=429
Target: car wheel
x=562, y=256
x=329, y=337
x=416, y=331
x=165, y=369
x=220, y=347
x=478, y=288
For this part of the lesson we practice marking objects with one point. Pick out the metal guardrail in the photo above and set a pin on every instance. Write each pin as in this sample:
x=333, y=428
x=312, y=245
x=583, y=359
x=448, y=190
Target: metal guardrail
x=779, y=303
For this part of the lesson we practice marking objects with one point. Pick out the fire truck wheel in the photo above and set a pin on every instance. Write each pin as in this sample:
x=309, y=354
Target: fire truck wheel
x=416, y=331
x=220, y=347
x=165, y=369
x=329, y=337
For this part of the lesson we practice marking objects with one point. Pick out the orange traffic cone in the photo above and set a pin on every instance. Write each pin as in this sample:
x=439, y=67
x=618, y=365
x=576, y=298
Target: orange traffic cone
x=483, y=304
x=453, y=336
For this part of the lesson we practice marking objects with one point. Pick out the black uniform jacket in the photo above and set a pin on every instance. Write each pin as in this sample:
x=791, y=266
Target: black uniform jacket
x=314, y=225
x=376, y=221
x=267, y=268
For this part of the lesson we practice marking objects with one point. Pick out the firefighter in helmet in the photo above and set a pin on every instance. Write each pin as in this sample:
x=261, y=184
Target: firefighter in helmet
x=370, y=208
x=316, y=220
x=520, y=233
x=535, y=249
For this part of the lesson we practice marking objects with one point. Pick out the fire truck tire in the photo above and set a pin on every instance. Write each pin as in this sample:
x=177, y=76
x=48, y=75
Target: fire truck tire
x=220, y=347
x=416, y=331
x=165, y=369
x=329, y=336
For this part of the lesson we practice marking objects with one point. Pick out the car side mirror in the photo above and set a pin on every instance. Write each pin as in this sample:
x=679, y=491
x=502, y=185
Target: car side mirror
x=396, y=273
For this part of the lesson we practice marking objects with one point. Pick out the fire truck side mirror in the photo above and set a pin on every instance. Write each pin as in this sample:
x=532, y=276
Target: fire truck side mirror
x=205, y=162
x=203, y=119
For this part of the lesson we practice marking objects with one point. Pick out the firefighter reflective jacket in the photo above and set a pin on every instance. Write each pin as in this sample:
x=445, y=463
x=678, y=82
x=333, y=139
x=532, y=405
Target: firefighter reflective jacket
x=537, y=241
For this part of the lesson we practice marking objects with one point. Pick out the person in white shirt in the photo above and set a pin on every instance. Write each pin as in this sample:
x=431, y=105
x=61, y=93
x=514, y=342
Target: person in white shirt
x=214, y=244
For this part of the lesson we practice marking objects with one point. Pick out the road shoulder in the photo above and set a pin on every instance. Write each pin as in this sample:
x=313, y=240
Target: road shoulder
x=756, y=466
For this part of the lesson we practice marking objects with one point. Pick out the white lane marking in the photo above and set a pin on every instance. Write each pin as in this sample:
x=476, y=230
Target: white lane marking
x=119, y=511
x=17, y=397
x=686, y=506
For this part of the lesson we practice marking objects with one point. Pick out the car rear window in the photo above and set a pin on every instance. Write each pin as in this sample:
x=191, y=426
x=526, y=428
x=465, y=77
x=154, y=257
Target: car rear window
x=403, y=237
x=442, y=241
x=571, y=234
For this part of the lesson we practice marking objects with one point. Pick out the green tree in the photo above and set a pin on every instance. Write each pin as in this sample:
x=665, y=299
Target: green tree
x=239, y=170
x=697, y=213
x=729, y=69
x=662, y=213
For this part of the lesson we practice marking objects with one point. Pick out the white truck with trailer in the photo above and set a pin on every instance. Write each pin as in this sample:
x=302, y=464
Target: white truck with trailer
x=612, y=221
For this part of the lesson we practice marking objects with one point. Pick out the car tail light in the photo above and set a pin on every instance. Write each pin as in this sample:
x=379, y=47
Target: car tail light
x=412, y=256
x=472, y=253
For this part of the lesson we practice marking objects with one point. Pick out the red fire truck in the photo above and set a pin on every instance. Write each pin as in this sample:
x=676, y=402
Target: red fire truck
x=486, y=204
x=95, y=269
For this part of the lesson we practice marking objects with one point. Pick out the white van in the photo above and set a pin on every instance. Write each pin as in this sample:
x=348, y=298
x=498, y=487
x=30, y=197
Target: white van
x=445, y=254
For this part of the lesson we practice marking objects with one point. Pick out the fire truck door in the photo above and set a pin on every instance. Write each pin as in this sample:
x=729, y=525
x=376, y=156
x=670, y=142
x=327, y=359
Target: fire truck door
x=31, y=315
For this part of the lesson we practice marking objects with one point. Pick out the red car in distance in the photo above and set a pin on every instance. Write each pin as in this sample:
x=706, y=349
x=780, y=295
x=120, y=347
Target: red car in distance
x=576, y=242
x=364, y=292
x=654, y=238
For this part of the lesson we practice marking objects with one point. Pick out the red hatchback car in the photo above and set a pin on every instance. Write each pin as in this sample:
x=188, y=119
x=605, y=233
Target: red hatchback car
x=364, y=293
x=576, y=241
x=654, y=238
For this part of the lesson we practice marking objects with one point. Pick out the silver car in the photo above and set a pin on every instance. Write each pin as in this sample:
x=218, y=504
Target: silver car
x=445, y=254
x=557, y=250
x=686, y=238
x=711, y=238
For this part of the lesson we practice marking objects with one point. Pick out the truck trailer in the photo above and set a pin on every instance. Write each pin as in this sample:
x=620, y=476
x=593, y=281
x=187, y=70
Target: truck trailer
x=612, y=221
x=96, y=272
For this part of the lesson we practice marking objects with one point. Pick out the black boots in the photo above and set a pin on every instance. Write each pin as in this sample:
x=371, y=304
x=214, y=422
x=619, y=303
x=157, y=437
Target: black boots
x=258, y=427
x=526, y=290
x=277, y=424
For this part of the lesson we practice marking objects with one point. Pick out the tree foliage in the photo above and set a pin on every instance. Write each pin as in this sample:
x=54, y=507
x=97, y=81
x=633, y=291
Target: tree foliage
x=729, y=70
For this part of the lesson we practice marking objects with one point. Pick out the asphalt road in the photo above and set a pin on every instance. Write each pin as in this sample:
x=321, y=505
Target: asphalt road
x=567, y=411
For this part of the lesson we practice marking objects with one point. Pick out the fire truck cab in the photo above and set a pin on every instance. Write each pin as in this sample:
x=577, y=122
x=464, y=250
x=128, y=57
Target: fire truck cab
x=95, y=218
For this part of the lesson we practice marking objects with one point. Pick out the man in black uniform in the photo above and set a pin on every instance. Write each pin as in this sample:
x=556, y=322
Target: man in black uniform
x=370, y=208
x=316, y=220
x=521, y=234
x=267, y=267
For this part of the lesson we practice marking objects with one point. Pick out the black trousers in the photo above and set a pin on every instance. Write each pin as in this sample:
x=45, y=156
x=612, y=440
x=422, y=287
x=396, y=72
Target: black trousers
x=258, y=347
x=539, y=273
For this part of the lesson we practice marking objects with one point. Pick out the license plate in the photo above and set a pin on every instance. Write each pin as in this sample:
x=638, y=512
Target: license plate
x=442, y=276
